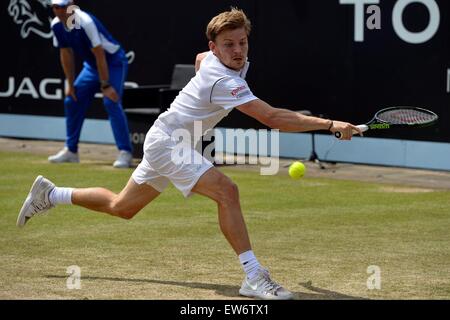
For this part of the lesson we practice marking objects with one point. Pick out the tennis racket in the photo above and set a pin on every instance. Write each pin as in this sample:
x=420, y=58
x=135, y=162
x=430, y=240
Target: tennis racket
x=398, y=117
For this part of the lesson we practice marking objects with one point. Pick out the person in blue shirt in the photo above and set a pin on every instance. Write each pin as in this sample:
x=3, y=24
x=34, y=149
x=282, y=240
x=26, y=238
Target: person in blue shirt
x=105, y=67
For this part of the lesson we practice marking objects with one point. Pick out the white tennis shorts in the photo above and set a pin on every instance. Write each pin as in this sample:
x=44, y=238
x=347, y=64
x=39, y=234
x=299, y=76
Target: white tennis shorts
x=163, y=162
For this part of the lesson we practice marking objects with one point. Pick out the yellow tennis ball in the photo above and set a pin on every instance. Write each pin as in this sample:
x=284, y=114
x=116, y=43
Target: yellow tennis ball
x=297, y=170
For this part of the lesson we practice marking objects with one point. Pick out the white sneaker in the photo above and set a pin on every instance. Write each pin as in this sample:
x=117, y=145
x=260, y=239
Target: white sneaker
x=65, y=155
x=124, y=160
x=37, y=201
x=262, y=287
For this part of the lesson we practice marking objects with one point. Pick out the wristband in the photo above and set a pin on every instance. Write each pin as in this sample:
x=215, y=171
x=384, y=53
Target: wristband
x=104, y=85
x=331, y=125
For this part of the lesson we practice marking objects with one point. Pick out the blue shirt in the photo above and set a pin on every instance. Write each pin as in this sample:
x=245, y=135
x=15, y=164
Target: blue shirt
x=86, y=32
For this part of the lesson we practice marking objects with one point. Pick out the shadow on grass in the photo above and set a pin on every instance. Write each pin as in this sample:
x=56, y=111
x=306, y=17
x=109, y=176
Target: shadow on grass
x=324, y=294
x=226, y=290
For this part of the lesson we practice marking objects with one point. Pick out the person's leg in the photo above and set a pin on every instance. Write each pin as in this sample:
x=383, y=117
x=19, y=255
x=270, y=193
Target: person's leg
x=218, y=187
x=144, y=185
x=44, y=195
x=117, y=117
x=86, y=85
x=125, y=204
x=258, y=284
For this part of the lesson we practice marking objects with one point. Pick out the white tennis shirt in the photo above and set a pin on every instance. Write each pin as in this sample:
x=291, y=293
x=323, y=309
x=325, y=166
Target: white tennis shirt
x=209, y=97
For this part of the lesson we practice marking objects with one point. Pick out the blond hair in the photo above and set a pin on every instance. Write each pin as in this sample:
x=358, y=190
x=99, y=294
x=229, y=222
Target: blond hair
x=228, y=20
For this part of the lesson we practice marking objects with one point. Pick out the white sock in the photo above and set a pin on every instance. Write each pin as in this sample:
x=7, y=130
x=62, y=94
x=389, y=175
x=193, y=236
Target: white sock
x=250, y=264
x=60, y=196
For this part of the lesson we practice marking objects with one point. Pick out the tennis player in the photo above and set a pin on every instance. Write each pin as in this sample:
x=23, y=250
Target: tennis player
x=218, y=87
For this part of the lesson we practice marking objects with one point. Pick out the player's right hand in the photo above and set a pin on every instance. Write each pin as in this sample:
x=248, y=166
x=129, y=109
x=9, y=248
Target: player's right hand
x=70, y=92
x=346, y=129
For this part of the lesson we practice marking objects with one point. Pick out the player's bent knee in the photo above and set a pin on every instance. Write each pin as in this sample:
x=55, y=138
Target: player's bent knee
x=123, y=212
x=232, y=189
x=229, y=192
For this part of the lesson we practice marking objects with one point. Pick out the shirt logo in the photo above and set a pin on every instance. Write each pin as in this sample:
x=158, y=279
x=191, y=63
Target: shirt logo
x=235, y=92
x=32, y=17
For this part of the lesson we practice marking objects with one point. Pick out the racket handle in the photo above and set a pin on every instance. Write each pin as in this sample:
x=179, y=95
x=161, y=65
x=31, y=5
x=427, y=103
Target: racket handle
x=362, y=127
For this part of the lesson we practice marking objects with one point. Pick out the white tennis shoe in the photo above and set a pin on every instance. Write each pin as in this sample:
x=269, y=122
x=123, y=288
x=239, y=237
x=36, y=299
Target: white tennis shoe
x=37, y=201
x=124, y=160
x=65, y=155
x=263, y=287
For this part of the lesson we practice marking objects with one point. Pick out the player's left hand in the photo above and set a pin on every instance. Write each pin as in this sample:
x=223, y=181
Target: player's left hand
x=111, y=93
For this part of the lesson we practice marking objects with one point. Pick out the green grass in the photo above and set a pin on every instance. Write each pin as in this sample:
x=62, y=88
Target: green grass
x=317, y=236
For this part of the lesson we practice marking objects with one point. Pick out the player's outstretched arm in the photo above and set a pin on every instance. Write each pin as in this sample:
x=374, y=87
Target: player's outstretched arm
x=291, y=121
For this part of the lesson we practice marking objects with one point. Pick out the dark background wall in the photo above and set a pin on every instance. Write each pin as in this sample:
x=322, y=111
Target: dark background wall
x=303, y=56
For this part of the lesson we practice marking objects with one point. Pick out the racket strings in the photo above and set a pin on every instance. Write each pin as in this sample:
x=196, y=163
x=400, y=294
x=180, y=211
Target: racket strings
x=406, y=116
